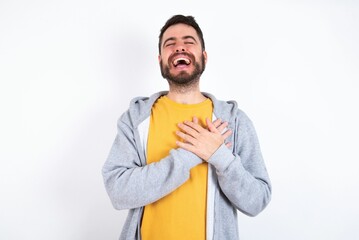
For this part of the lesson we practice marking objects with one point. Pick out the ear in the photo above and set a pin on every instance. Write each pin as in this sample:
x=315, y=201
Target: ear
x=159, y=58
x=204, y=53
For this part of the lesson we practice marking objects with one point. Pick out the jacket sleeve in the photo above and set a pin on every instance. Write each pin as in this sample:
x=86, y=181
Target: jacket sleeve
x=129, y=184
x=242, y=174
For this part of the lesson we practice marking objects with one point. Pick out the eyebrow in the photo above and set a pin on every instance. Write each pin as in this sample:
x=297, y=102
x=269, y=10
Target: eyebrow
x=173, y=39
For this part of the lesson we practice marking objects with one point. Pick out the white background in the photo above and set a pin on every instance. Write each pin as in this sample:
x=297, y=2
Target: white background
x=68, y=69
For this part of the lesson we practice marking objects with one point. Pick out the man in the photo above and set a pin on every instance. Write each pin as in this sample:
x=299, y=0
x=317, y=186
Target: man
x=183, y=162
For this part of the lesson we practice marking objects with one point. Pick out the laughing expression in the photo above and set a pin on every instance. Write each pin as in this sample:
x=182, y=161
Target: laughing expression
x=182, y=59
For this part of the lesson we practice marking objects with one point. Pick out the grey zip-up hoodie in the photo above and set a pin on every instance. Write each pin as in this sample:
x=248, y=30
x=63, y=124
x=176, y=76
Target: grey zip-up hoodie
x=237, y=176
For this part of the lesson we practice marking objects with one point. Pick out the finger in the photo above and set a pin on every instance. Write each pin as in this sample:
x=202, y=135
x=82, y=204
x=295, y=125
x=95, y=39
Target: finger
x=227, y=134
x=217, y=122
x=187, y=129
x=194, y=126
x=223, y=126
x=228, y=144
x=185, y=137
x=195, y=120
x=185, y=146
x=211, y=126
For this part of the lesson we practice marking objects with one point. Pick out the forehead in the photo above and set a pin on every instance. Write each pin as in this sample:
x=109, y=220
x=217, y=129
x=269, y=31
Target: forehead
x=178, y=31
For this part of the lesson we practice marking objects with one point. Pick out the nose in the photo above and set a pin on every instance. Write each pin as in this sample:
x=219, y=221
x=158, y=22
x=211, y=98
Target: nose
x=180, y=50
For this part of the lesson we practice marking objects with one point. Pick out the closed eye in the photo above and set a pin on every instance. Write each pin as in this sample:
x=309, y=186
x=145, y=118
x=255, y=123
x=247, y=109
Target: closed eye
x=169, y=44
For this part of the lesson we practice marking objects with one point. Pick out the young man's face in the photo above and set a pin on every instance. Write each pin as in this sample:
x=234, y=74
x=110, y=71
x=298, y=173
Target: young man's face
x=182, y=60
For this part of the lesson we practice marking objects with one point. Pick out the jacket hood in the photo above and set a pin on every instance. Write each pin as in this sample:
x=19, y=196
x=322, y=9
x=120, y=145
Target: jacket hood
x=140, y=108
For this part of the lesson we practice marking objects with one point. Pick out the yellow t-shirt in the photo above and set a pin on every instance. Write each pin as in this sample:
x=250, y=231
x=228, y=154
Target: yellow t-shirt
x=182, y=213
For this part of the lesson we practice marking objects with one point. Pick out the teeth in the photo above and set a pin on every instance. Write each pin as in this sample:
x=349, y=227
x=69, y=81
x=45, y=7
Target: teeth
x=178, y=60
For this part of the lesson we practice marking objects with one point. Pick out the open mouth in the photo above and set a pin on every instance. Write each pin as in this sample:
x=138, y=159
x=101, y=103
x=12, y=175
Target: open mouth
x=181, y=61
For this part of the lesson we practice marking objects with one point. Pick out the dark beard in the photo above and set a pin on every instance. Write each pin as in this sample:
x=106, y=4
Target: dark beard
x=183, y=79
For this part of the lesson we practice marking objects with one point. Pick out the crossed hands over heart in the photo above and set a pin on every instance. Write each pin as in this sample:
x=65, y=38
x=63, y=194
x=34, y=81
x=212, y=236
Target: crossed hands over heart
x=203, y=141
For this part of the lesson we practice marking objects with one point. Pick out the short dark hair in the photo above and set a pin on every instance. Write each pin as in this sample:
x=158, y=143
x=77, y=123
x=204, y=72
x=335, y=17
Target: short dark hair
x=176, y=19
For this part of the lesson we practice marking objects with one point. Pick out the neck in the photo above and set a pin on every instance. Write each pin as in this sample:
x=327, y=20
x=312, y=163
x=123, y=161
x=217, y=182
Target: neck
x=186, y=95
